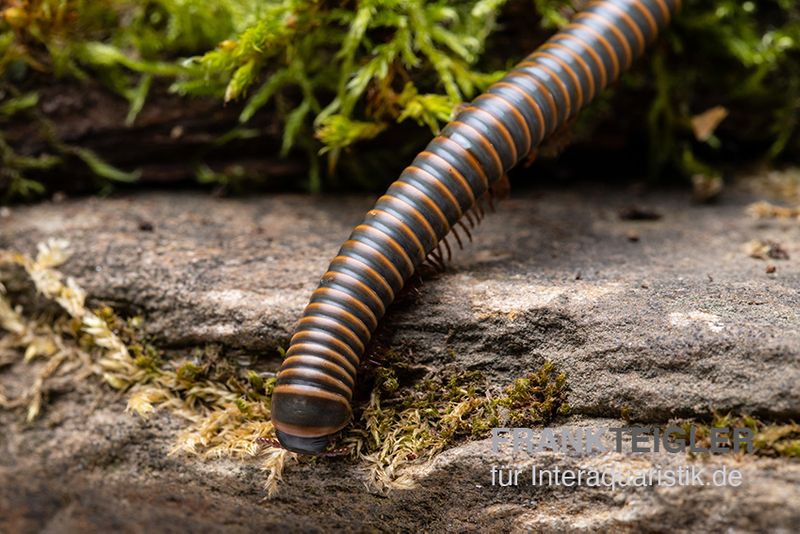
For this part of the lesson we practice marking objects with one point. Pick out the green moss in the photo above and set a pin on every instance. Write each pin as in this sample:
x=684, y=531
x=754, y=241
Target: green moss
x=15, y=168
x=408, y=421
x=739, y=55
x=340, y=74
x=770, y=439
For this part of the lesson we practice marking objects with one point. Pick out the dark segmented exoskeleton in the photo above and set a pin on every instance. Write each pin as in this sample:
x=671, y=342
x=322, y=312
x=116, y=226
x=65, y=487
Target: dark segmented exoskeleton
x=444, y=184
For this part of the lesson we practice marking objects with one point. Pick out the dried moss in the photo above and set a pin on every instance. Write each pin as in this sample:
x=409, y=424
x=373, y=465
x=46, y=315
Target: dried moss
x=227, y=407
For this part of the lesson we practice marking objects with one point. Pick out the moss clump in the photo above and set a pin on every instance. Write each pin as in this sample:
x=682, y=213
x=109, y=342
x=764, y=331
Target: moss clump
x=537, y=398
x=122, y=44
x=338, y=73
x=770, y=439
x=405, y=424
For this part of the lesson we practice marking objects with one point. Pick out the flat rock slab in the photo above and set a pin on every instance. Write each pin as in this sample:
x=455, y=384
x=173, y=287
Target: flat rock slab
x=82, y=470
x=651, y=319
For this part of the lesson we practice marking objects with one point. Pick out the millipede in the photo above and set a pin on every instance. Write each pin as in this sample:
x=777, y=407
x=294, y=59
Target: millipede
x=444, y=186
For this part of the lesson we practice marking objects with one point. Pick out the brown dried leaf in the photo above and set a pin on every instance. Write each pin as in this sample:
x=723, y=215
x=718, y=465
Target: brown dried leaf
x=704, y=124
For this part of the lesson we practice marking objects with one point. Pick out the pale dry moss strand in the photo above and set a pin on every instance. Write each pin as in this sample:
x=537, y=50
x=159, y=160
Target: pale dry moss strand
x=767, y=210
x=221, y=423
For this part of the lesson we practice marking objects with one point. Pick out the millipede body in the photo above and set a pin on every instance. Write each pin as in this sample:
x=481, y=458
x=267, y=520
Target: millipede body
x=445, y=183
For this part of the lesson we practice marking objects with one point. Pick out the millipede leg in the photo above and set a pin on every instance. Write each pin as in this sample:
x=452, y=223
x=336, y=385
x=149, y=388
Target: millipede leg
x=464, y=227
x=454, y=231
x=447, y=247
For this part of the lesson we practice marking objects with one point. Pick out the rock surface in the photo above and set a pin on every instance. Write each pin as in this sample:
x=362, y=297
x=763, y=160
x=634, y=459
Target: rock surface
x=650, y=319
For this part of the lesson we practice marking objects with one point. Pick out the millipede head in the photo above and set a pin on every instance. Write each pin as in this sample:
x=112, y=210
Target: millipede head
x=306, y=419
x=302, y=445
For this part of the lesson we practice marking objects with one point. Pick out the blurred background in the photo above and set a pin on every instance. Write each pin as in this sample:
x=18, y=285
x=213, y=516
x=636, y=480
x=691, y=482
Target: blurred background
x=238, y=96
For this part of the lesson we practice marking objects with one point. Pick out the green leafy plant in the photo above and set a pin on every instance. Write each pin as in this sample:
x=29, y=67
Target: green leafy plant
x=343, y=76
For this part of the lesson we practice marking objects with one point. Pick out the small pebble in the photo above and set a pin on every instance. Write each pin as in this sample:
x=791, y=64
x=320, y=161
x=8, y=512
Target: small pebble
x=771, y=269
x=633, y=236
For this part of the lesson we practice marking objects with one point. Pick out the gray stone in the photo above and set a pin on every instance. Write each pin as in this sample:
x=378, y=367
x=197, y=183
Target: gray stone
x=678, y=323
x=73, y=473
x=650, y=319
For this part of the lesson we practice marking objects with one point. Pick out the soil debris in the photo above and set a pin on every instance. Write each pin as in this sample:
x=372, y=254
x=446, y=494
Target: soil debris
x=766, y=249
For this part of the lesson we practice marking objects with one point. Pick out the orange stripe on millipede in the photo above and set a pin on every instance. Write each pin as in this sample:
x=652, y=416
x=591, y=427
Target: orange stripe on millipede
x=601, y=66
x=438, y=185
x=664, y=10
x=559, y=82
x=551, y=101
x=329, y=338
x=537, y=109
x=314, y=375
x=313, y=360
x=579, y=60
x=487, y=144
x=633, y=25
x=423, y=197
x=406, y=229
x=391, y=242
x=361, y=265
x=603, y=42
x=453, y=172
x=418, y=215
x=571, y=73
x=502, y=127
x=326, y=308
x=296, y=350
x=651, y=21
x=473, y=163
x=630, y=23
x=618, y=34
x=517, y=115
x=316, y=322
x=376, y=254
x=332, y=275
x=350, y=300
x=309, y=390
